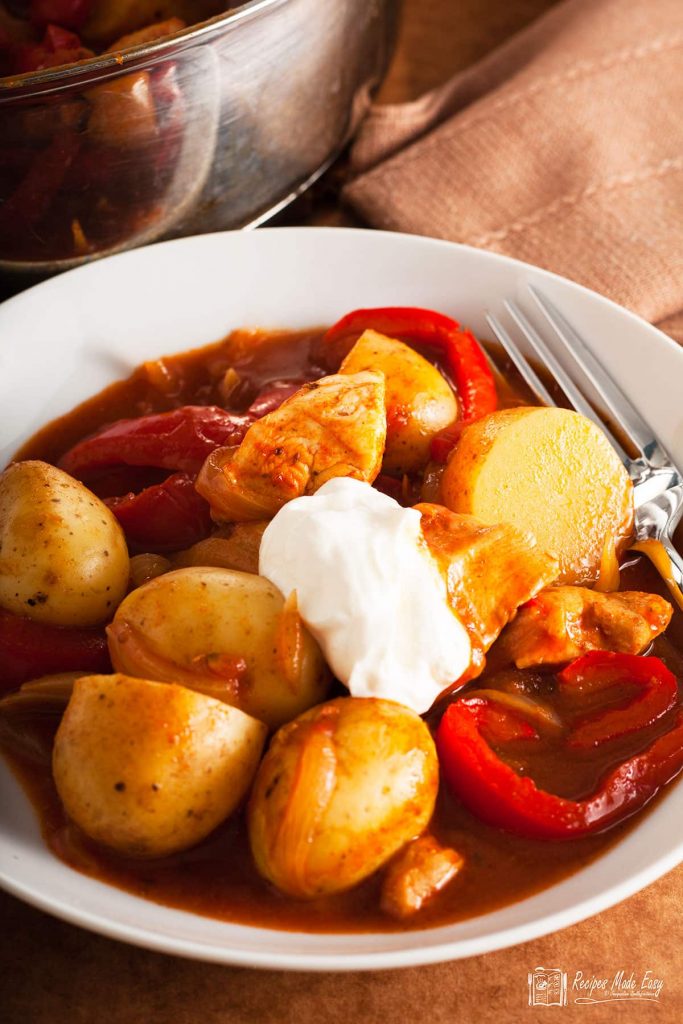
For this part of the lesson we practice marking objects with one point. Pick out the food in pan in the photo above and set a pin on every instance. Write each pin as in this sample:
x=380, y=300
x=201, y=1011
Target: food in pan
x=332, y=630
x=85, y=168
x=41, y=34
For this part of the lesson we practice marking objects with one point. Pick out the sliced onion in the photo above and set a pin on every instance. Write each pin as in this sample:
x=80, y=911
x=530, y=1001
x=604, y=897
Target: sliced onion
x=228, y=504
x=289, y=641
x=229, y=383
x=525, y=706
x=161, y=377
x=215, y=675
x=47, y=695
x=312, y=787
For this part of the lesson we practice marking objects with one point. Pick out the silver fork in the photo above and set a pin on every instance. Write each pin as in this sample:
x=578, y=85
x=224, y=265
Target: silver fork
x=658, y=484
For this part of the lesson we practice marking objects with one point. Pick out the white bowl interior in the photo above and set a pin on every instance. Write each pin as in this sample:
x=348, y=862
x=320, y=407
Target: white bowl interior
x=65, y=339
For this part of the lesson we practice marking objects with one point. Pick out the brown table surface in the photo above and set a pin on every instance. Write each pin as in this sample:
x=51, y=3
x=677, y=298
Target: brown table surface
x=53, y=973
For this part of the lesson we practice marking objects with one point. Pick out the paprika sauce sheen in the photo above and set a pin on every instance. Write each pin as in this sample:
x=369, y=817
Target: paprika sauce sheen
x=217, y=878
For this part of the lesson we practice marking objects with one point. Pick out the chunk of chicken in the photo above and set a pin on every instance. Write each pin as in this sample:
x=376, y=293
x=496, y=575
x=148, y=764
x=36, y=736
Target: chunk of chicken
x=417, y=873
x=565, y=622
x=332, y=427
x=489, y=571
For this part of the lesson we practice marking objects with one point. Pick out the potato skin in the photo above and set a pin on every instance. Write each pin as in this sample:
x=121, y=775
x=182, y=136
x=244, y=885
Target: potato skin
x=183, y=626
x=546, y=470
x=149, y=769
x=63, y=556
x=340, y=790
x=419, y=401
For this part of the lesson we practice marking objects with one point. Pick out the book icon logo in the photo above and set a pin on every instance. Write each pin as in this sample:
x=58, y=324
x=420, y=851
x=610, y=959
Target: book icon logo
x=547, y=987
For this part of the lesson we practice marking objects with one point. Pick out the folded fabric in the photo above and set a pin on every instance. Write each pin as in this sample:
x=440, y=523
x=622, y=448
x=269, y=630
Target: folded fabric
x=563, y=148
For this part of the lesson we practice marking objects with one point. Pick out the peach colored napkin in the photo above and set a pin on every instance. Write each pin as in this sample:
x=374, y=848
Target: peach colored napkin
x=564, y=148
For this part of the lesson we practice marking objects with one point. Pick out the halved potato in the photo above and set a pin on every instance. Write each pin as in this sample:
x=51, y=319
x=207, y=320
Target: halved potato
x=418, y=399
x=150, y=768
x=550, y=471
x=226, y=633
x=63, y=556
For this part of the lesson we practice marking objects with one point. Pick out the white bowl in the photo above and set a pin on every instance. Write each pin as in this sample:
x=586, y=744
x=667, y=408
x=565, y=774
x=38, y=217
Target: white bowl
x=65, y=339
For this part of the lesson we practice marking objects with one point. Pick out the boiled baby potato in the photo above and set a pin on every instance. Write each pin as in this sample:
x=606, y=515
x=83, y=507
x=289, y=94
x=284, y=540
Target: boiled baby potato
x=149, y=769
x=550, y=471
x=63, y=556
x=419, y=401
x=340, y=790
x=227, y=633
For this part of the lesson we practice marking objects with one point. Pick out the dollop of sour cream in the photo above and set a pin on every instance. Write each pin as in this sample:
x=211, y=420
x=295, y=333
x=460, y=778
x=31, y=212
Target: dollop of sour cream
x=369, y=591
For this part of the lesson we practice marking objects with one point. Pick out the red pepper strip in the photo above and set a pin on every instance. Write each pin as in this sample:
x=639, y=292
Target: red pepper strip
x=465, y=359
x=494, y=792
x=57, y=38
x=31, y=649
x=272, y=396
x=170, y=110
x=68, y=13
x=58, y=46
x=445, y=441
x=177, y=440
x=36, y=192
x=391, y=486
x=600, y=670
x=118, y=481
x=164, y=517
x=166, y=88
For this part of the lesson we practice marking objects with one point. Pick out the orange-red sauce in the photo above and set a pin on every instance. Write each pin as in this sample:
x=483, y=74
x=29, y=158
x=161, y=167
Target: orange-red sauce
x=217, y=878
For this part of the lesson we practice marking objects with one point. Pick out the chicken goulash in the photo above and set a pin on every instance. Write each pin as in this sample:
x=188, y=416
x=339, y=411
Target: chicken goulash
x=332, y=631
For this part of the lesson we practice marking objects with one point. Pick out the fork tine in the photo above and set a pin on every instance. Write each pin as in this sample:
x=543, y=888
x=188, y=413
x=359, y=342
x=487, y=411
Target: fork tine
x=621, y=408
x=529, y=375
x=563, y=379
